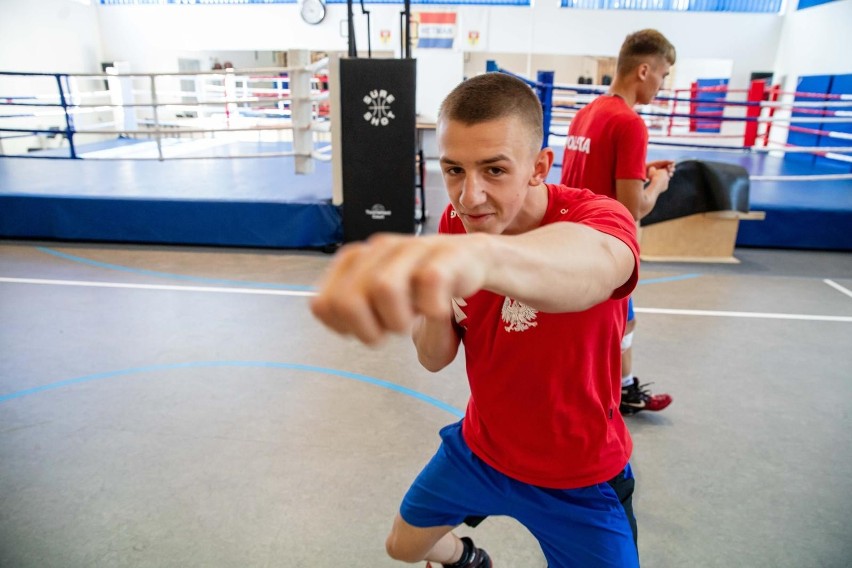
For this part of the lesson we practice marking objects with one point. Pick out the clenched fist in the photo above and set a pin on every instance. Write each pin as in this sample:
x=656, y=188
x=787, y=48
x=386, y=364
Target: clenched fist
x=383, y=284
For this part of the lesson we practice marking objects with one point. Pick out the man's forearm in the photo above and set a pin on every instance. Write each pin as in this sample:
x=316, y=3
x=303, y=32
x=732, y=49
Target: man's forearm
x=563, y=267
x=649, y=197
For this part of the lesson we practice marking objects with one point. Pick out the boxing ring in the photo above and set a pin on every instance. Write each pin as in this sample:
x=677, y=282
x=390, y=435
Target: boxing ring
x=799, y=197
x=244, y=159
x=210, y=158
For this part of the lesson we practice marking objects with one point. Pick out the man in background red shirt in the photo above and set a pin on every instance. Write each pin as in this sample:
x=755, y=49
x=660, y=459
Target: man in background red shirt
x=605, y=151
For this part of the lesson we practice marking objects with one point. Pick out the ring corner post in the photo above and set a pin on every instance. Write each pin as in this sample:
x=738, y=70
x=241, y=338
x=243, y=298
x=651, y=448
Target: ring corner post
x=336, y=134
x=544, y=89
x=754, y=98
x=301, y=111
x=69, y=120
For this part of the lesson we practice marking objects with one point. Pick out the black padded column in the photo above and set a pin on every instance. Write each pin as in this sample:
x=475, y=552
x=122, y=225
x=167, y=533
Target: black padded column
x=377, y=106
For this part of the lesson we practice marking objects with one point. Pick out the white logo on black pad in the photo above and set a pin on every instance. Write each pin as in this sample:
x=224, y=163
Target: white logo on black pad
x=378, y=104
x=377, y=212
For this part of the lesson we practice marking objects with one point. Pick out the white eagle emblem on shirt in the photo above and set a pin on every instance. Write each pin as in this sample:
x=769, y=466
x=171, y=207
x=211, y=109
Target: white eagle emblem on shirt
x=518, y=316
x=458, y=304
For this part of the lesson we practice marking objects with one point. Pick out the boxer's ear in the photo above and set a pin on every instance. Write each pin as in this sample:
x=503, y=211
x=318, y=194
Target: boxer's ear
x=543, y=163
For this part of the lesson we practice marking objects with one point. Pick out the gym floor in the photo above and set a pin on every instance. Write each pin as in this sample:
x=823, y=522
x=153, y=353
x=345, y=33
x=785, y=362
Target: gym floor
x=173, y=406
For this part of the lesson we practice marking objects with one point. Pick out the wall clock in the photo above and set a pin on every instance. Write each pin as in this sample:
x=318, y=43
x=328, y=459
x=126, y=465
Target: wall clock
x=312, y=11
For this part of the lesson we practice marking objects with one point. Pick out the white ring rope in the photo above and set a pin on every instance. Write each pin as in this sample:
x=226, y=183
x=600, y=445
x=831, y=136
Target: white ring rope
x=322, y=126
x=823, y=177
x=313, y=67
x=803, y=149
x=317, y=65
x=761, y=149
x=791, y=119
x=229, y=157
x=800, y=104
x=840, y=135
x=217, y=102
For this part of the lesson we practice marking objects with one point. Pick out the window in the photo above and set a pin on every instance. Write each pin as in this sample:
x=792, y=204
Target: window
x=356, y=2
x=751, y=6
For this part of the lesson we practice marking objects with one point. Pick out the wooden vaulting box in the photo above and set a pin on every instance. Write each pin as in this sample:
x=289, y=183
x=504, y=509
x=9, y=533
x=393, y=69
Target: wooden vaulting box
x=697, y=219
x=701, y=237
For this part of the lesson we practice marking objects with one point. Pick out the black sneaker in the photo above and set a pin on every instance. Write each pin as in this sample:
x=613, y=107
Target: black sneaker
x=637, y=398
x=480, y=558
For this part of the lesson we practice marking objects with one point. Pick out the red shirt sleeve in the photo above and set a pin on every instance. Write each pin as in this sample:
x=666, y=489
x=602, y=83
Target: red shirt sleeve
x=612, y=218
x=631, y=148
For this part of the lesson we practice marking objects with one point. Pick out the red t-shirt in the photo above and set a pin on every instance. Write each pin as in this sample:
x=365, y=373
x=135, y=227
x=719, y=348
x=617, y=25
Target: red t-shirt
x=606, y=141
x=545, y=387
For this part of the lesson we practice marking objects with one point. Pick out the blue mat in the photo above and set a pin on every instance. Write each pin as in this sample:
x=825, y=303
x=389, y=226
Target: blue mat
x=261, y=202
x=799, y=214
x=255, y=202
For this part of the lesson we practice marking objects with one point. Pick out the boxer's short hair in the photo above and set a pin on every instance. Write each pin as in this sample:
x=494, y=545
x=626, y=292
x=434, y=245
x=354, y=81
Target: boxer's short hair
x=493, y=96
x=641, y=46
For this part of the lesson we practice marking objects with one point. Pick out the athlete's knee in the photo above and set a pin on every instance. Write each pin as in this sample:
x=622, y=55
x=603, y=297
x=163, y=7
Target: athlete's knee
x=398, y=552
x=398, y=549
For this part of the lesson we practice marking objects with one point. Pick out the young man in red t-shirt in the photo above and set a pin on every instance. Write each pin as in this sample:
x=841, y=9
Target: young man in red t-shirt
x=605, y=152
x=532, y=279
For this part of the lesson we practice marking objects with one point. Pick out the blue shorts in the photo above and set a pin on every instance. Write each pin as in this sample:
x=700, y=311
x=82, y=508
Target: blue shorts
x=630, y=315
x=576, y=528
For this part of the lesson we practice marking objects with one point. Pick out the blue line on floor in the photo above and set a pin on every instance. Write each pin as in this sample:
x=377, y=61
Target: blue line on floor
x=262, y=364
x=184, y=277
x=668, y=279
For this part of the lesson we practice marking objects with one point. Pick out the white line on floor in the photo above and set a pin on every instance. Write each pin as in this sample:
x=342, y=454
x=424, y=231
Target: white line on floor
x=757, y=315
x=265, y=291
x=838, y=287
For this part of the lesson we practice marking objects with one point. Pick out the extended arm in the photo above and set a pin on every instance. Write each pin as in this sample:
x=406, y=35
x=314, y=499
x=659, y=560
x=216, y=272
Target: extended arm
x=383, y=285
